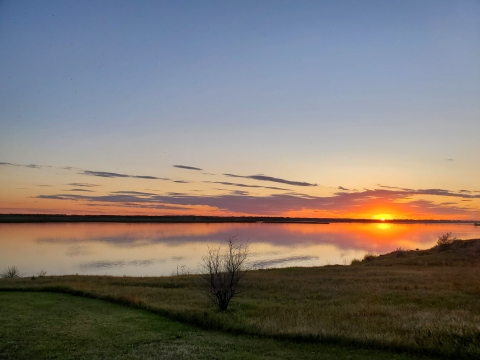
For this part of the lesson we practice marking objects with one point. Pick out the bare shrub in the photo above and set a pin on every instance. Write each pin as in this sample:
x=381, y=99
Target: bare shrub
x=223, y=270
x=355, y=262
x=445, y=240
x=42, y=273
x=400, y=252
x=182, y=270
x=10, y=272
x=369, y=257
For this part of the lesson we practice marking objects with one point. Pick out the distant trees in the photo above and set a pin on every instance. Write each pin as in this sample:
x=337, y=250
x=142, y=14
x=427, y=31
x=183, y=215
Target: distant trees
x=223, y=268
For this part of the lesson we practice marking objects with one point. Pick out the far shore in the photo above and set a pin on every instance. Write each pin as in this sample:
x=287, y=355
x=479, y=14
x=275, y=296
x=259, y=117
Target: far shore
x=62, y=218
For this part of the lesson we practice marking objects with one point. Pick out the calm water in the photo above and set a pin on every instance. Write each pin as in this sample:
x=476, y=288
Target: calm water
x=161, y=249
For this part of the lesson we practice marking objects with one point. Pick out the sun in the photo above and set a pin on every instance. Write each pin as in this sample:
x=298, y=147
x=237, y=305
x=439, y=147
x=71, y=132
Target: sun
x=383, y=217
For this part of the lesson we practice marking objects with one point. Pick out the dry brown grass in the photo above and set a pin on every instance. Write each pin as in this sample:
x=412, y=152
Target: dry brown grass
x=448, y=252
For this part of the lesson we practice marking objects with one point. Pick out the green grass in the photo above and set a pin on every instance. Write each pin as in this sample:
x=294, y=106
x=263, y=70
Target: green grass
x=58, y=326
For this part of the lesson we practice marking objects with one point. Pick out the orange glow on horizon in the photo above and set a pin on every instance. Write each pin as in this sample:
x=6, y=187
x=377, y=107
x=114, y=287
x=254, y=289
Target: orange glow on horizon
x=376, y=209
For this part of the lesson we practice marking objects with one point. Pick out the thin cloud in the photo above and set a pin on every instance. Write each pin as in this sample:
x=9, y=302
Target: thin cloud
x=146, y=177
x=240, y=192
x=82, y=190
x=342, y=188
x=275, y=188
x=392, y=187
x=31, y=166
x=83, y=184
x=181, y=181
x=272, y=179
x=187, y=167
x=245, y=185
x=132, y=193
x=106, y=174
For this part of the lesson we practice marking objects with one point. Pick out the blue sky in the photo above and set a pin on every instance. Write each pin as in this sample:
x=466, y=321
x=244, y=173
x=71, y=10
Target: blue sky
x=333, y=93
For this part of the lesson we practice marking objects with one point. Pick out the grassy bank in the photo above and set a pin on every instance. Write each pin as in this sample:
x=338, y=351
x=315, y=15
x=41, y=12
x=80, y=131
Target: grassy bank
x=420, y=309
x=45, y=325
x=453, y=253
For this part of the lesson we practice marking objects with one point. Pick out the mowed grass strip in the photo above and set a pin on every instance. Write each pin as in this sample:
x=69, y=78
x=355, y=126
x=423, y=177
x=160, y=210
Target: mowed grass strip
x=58, y=326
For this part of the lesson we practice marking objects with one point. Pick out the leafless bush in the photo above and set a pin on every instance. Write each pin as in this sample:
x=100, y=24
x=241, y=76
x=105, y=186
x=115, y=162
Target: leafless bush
x=182, y=270
x=369, y=257
x=355, y=262
x=445, y=240
x=400, y=252
x=10, y=272
x=223, y=270
x=42, y=273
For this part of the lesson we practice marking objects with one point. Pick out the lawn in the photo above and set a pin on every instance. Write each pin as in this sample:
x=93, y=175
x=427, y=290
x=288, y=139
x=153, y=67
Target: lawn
x=59, y=326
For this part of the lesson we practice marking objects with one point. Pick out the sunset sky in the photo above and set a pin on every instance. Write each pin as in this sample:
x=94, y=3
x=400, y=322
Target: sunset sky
x=361, y=109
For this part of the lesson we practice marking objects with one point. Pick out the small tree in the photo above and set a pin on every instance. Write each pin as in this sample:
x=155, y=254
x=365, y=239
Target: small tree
x=222, y=271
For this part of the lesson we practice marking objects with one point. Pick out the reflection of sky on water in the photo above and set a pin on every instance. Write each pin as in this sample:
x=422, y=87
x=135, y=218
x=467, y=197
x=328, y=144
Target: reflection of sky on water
x=281, y=261
x=158, y=249
x=105, y=264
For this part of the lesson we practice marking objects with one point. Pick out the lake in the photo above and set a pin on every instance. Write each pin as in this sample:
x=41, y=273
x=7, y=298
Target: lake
x=166, y=249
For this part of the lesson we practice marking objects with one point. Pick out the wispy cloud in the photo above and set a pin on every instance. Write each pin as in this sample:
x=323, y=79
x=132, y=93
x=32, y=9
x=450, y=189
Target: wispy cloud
x=272, y=179
x=81, y=190
x=187, y=167
x=117, y=175
x=132, y=193
x=245, y=185
x=32, y=166
x=83, y=184
x=239, y=192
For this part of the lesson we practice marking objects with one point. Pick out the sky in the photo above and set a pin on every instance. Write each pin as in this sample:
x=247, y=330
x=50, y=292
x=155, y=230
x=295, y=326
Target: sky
x=278, y=108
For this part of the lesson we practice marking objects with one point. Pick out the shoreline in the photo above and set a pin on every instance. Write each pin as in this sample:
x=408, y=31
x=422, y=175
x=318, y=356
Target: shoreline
x=61, y=218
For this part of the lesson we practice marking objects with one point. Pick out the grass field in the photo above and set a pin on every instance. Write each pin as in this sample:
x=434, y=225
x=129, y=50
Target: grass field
x=57, y=326
x=422, y=310
x=387, y=302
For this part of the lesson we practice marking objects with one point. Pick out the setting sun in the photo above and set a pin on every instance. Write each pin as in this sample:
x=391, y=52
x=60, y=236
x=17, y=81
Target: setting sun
x=383, y=217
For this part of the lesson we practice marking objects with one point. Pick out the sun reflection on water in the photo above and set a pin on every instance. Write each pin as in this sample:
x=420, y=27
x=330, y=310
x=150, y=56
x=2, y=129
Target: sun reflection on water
x=157, y=249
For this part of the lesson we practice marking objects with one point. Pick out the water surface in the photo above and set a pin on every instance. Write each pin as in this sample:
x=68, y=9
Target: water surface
x=165, y=249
